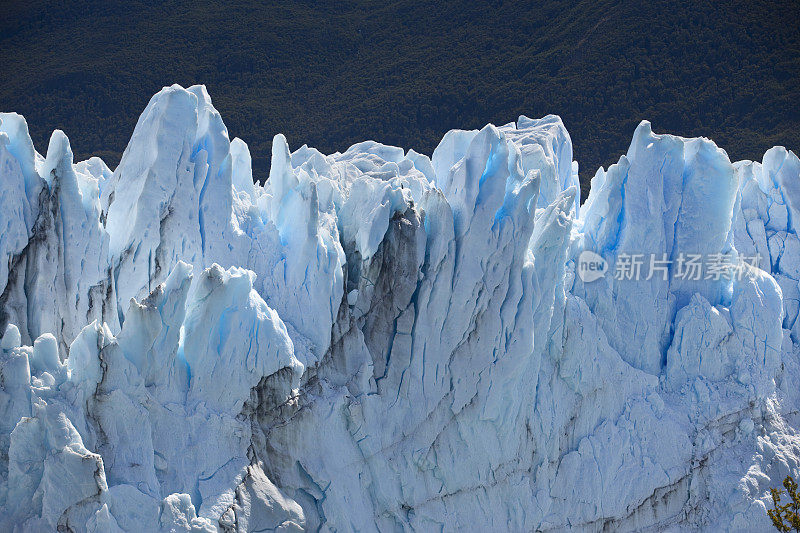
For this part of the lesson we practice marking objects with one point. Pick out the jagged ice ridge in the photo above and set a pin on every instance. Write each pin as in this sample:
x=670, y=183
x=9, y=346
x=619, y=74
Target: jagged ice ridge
x=379, y=340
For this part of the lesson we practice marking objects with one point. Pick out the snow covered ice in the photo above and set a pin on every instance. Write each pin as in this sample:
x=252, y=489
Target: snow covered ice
x=379, y=340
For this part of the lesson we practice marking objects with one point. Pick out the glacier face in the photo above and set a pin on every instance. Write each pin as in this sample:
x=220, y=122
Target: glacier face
x=379, y=340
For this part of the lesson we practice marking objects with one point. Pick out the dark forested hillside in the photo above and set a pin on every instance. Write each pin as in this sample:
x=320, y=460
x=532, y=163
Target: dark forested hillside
x=404, y=72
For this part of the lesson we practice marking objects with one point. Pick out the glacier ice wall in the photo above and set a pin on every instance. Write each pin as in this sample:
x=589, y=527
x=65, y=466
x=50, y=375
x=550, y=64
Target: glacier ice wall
x=379, y=340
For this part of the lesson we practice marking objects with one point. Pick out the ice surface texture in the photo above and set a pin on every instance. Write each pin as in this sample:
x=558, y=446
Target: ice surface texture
x=378, y=340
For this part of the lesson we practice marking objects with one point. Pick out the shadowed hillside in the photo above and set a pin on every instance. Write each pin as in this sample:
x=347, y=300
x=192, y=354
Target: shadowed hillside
x=333, y=73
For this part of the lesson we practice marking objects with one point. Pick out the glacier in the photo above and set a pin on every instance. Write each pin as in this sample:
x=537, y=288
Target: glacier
x=378, y=340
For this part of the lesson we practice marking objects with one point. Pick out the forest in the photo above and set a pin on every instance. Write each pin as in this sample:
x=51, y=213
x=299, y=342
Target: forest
x=329, y=74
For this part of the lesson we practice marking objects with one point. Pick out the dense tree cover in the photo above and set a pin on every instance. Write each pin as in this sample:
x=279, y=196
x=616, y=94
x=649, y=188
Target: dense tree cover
x=404, y=72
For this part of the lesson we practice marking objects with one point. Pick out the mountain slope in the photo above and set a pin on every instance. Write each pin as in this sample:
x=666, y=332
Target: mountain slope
x=407, y=72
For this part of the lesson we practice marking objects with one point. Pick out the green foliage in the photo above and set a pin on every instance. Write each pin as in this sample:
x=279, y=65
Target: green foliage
x=785, y=517
x=404, y=72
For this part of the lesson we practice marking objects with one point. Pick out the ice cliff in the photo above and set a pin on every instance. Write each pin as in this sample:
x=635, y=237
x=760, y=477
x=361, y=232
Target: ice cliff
x=379, y=340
